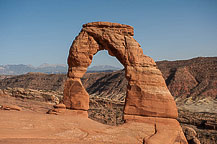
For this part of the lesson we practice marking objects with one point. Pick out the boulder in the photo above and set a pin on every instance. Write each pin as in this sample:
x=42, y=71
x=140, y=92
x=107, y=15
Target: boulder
x=191, y=135
x=10, y=107
x=56, y=111
x=60, y=106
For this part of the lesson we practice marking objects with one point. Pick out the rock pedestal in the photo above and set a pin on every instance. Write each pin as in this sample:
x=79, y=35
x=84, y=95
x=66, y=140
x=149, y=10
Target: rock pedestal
x=75, y=95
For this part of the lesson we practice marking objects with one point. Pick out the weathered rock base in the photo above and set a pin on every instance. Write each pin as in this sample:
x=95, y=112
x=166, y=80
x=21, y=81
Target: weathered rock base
x=75, y=95
x=60, y=109
x=68, y=112
x=166, y=130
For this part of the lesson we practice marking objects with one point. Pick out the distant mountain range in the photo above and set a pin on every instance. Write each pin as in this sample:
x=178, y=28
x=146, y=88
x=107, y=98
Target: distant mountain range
x=48, y=68
x=102, y=68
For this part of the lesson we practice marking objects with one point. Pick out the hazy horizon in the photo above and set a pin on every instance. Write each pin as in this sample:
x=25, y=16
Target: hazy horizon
x=121, y=66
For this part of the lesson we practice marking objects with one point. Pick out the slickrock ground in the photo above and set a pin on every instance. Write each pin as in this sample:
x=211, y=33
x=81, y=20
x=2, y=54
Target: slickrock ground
x=32, y=125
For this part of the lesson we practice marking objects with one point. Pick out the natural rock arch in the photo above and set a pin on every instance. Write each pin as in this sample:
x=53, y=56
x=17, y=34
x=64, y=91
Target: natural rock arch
x=147, y=93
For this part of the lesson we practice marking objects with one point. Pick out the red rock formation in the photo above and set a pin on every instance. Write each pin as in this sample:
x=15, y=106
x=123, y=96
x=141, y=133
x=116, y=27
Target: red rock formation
x=147, y=94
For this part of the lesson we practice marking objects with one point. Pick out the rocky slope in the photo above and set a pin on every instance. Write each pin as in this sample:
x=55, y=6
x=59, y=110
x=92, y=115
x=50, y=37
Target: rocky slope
x=195, y=78
x=38, y=81
x=33, y=94
x=111, y=85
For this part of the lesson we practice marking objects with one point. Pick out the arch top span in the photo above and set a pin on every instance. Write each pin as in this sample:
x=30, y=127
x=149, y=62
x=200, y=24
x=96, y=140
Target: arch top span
x=147, y=93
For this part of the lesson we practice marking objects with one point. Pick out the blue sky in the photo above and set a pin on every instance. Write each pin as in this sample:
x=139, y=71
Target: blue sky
x=41, y=31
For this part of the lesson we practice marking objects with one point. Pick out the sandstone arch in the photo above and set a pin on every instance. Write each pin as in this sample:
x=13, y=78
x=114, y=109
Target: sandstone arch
x=147, y=93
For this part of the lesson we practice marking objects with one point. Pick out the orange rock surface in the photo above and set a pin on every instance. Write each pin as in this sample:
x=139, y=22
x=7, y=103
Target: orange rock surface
x=26, y=127
x=166, y=130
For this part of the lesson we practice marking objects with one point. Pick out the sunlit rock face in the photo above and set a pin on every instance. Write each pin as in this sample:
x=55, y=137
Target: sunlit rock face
x=147, y=93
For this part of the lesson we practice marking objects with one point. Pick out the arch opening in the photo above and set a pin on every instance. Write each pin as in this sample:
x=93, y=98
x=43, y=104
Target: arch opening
x=106, y=87
x=103, y=58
